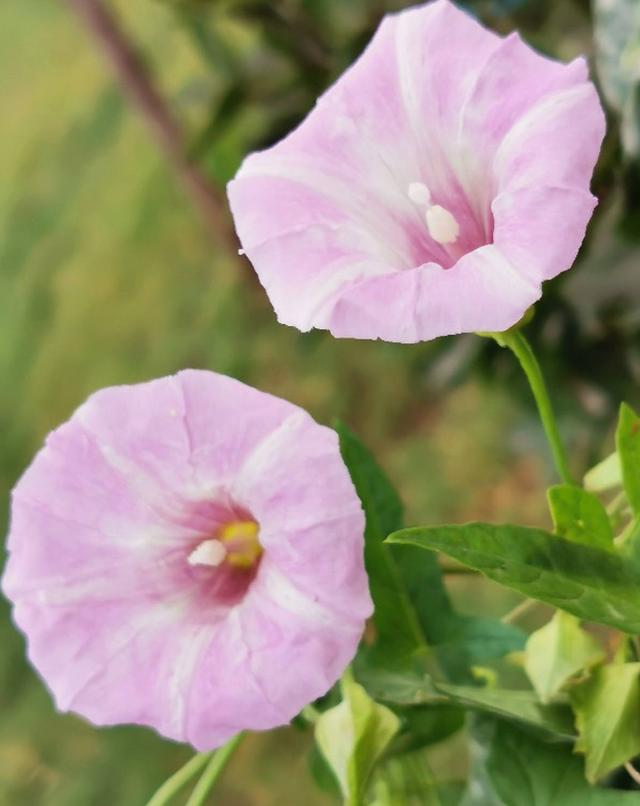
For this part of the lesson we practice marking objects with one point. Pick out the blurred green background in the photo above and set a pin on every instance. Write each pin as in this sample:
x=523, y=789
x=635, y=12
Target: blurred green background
x=108, y=274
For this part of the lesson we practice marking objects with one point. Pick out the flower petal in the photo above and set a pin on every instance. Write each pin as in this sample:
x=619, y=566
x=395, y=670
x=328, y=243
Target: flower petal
x=540, y=229
x=489, y=294
x=555, y=143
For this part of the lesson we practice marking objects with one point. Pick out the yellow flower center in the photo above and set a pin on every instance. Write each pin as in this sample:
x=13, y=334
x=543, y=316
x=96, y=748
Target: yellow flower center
x=240, y=539
x=236, y=543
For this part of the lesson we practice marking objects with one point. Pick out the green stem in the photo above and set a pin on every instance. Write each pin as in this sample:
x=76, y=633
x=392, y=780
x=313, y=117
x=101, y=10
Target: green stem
x=518, y=344
x=521, y=609
x=174, y=784
x=213, y=771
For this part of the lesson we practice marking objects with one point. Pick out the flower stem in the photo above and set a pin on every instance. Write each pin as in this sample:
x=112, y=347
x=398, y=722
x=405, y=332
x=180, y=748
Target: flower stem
x=521, y=609
x=518, y=344
x=213, y=771
x=179, y=779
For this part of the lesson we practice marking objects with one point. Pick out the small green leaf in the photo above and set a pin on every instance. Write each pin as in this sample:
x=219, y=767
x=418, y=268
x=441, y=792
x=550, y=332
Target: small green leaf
x=522, y=706
x=514, y=768
x=591, y=583
x=628, y=444
x=605, y=476
x=353, y=736
x=607, y=707
x=578, y=515
x=558, y=651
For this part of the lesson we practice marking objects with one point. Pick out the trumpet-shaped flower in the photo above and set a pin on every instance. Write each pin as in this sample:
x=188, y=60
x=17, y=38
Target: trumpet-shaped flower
x=188, y=554
x=430, y=191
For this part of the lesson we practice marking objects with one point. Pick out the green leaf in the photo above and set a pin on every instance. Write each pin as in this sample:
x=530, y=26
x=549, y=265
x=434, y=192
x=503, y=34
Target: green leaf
x=607, y=707
x=628, y=445
x=605, y=476
x=397, y=626
x=579, y=516
x=418, y=632
x=557, y=652
x=514, y=768
x=322, y=773
x=409, y=781
x=353, y=736
x=522, y=706
x=591, y=583
x=423, y=725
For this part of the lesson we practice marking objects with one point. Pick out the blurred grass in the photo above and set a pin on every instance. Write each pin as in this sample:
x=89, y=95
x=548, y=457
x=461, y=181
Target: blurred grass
x=106, y=276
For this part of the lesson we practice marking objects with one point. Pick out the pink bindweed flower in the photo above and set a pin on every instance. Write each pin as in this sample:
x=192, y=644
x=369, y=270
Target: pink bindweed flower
x=430, y=191
x=188, y=554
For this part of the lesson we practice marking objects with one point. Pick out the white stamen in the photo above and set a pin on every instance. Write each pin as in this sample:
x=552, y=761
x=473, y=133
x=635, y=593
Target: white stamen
x=209, y=552
x=442, y=225
x=419, y=193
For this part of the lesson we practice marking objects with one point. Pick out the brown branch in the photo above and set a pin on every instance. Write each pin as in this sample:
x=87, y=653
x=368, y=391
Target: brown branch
x=137, y=83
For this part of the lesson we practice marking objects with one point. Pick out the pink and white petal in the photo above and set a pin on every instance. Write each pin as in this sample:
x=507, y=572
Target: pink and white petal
x=540, y=229
x=77, y=481
x=285, y=626
x=483, y=292
x=312, y=532
x=277, y=651
x=301, y=271
x=140, y=431
x=512, y=80
x=116, y=661
x=225, y=696
x=56, y=560
x=225, y=420
x=439, y=52
x=555, y=143
x=337, y=160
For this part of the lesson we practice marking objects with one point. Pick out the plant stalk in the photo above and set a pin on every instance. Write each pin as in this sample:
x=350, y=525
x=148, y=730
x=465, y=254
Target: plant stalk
x=518, y=344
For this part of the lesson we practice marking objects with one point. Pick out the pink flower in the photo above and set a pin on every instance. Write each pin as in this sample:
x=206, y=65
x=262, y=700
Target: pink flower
x=431, y=190
x=188, y=554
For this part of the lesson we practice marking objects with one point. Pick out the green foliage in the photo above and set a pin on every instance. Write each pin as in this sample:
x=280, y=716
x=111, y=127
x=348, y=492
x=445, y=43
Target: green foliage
x=397, y=625
x=607, y=707
x=593, y=584
x=423, y=725
x=617, y=38
x=353, y=736
x=557, y=652
x=514, y=768
x=578, y=515
x=605, y=476
x=521, y=706
x=628, y=445
x=418, y=634
x=409, y=781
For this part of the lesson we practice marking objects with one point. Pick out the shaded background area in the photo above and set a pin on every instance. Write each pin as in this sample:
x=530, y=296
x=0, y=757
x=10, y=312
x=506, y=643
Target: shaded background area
x=110, y=274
